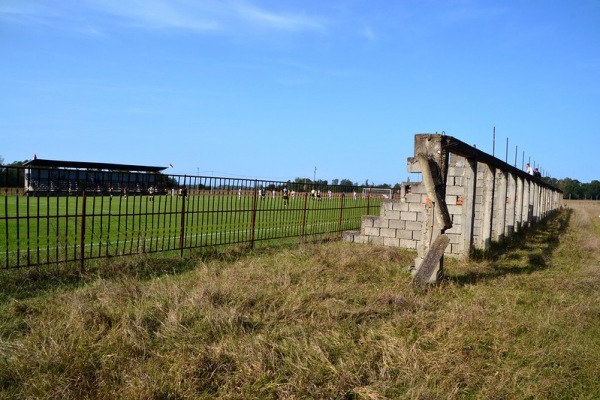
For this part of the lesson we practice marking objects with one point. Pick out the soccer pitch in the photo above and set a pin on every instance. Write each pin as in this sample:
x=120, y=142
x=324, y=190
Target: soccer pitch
x=51, y=229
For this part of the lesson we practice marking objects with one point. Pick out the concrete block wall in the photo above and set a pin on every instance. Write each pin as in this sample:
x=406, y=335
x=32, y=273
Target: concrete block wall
x=487, y=200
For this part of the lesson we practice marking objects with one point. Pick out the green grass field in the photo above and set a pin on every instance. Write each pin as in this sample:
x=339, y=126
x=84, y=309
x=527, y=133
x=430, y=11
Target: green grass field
x=43, y=230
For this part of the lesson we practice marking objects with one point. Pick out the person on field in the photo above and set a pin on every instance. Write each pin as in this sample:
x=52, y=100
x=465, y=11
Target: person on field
x=151, y=193
x=286, y=197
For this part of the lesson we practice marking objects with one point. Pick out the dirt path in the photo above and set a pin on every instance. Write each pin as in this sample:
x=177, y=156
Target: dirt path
x=586, y=219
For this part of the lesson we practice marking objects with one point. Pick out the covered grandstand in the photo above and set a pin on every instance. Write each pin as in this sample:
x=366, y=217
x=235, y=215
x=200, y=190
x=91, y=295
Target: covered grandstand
x=56, y=177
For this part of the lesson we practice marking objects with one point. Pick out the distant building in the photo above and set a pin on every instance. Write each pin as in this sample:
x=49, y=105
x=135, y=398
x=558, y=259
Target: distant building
x=61, y=178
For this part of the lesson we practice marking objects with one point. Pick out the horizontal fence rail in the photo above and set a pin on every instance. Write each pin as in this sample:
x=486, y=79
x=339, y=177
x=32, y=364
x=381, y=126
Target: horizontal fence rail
x=62, y=216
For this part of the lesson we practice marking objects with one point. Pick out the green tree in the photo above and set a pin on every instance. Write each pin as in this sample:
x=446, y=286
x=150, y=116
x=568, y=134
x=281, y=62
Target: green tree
x=571, y=188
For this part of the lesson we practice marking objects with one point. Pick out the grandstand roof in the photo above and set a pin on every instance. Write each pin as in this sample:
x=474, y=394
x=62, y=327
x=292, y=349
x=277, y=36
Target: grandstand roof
x=38, y=162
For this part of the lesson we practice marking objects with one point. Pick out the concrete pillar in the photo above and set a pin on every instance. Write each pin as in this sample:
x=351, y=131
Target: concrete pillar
x=519, y=205
x=535, y=203
x=487, y=207
x=511, y=187
x=468, y=210
x=500, y=206
x=526, y=203
x=433, y=158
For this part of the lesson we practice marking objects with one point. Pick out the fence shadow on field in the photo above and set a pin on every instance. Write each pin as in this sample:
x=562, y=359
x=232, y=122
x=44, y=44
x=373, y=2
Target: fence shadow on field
x=523, y=253
x=23, y=283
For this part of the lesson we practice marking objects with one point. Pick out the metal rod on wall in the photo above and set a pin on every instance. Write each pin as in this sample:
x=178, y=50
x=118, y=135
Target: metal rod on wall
x=494, y=142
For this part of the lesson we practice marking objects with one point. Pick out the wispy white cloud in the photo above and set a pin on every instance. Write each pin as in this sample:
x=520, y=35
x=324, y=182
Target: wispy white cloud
x=281, y=21
x=227, y=17
x=26, y=12
x=233, y=17
x=158, y=14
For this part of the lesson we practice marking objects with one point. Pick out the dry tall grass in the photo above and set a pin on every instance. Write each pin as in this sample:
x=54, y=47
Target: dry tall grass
x=336, y=321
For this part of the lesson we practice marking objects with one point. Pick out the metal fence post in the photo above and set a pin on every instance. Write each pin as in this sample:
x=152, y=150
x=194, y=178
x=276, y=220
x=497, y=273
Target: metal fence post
x=82, y=235
x=341, y=216
x=182, y=231
x=304, y=212
x=253, y=220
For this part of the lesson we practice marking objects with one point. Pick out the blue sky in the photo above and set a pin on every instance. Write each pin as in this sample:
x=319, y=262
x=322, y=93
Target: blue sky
x=272, y=89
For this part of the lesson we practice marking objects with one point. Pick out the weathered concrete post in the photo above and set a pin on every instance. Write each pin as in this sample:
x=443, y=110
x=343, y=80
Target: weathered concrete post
x=510, y=204
x=487, y=207
x=519, y=205
x=526, y=203
x=433, y=162
x=468, y=215
x=535, y=202
x=500, y=206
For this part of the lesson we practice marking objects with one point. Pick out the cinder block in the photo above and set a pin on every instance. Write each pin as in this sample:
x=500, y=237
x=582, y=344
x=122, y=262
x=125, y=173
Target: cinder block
x=413, y=226
x=380, y=223
x=367, y=221
x=408, y=244
x=416, y=207
x=389, y=214
x=372, y=231
x=451, y=200
x=458, y=170
x=349, y=236
x=361, y=239
x=458, y=161
x=413, y=198
x=454, y=209
x=412, y=165
x=404, y=234
x=455, y=190
x=391, y=242
x=401, y=206
x=397, y=224
x=418, y=188
x=376, y=240
x=457, y=219
x=387, y=232
x=408, y=216
x=454, y=238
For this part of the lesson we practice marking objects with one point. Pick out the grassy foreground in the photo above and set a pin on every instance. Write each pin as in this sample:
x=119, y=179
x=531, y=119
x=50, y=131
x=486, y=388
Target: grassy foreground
x=336, y=320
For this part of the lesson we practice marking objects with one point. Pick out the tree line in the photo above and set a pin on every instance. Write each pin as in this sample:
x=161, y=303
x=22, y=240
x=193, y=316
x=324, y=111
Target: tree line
x=575, y=190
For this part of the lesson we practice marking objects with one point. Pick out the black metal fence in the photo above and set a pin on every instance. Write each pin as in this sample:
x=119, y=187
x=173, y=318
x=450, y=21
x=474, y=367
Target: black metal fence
x=69, y=216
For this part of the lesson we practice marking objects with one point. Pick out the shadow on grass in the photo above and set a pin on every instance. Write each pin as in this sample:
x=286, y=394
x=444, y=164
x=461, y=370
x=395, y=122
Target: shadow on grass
x=523, y=253
x=23, y=283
